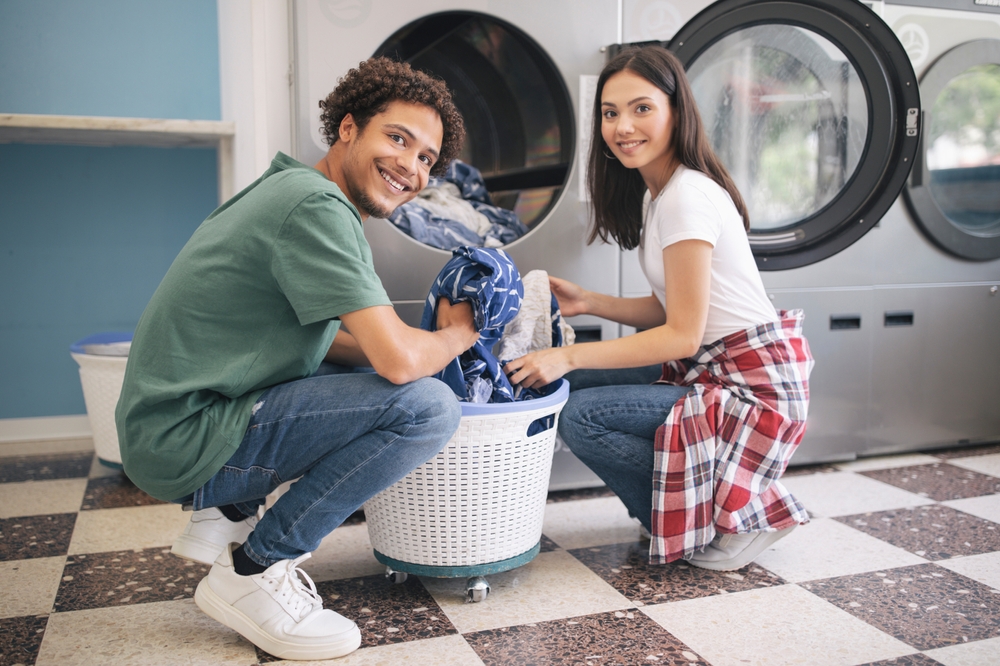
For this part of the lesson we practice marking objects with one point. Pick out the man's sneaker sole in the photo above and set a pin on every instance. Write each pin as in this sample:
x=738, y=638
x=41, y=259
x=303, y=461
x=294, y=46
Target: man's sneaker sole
x=217, y=609
x=193, y=548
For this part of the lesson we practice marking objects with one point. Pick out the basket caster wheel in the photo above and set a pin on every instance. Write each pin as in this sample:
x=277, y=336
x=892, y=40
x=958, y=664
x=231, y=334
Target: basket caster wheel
x=477, y=589
x=394, y=576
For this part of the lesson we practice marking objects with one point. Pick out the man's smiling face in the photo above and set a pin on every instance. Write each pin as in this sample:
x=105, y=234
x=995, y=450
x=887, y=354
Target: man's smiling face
x=389, y=161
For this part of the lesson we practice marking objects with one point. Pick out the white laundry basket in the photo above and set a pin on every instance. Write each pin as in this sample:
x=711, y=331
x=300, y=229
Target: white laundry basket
x=477, y=507
x=102, y=360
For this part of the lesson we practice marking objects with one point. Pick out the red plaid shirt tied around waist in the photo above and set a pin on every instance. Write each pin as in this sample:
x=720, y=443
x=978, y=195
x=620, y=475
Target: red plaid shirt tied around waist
x=724, y=445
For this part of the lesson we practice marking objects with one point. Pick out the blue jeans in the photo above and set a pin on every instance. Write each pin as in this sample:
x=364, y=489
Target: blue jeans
x=345, y=436
x=610, y=422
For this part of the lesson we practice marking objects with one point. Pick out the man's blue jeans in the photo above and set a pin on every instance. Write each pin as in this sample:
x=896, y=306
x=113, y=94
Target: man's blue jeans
x=610, y=423
x=345, y=436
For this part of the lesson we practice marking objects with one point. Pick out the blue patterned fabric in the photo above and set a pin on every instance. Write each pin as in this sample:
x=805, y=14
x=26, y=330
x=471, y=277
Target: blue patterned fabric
x=448, y=234
x=488, y=279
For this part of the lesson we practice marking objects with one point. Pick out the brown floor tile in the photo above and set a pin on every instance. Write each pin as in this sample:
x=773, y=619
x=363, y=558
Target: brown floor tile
x=20, y=638
x=917, y=659
x=29, y=537
x=625, y=566
x=46, y=467
x=925, y=606
x=933, y=531
x=113, y=492
x=939, y=481
x=966, y=451
x=99, y=580
x=387, y=612
x=623, y=637
x=548, y=545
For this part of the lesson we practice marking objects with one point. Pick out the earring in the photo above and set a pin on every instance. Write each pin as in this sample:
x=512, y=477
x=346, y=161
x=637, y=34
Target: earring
x=608, y=155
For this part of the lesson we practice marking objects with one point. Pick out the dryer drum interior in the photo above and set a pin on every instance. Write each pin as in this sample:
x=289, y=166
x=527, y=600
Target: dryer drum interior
x=953, y=190
x=517, y=110
x=813, y=108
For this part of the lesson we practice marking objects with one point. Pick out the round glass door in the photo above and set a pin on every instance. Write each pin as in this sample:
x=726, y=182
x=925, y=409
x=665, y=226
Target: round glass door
x=816, y=120
x=954, y=191
x=520, y=130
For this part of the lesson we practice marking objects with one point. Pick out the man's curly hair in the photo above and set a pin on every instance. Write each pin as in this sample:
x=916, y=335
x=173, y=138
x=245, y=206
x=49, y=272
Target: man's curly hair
x=369, y=89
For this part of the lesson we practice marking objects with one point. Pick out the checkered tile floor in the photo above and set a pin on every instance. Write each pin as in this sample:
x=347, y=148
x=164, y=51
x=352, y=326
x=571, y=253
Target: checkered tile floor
x=900, y=565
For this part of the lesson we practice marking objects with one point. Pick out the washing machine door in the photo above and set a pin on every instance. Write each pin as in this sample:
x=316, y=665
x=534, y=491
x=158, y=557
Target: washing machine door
x=954, y=188
x=814, y=109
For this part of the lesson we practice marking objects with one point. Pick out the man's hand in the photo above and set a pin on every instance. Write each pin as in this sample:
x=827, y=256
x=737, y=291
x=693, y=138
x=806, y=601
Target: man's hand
x=458, y=319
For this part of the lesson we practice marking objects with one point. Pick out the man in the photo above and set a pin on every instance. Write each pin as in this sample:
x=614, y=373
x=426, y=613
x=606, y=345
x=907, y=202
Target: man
x=222, y=401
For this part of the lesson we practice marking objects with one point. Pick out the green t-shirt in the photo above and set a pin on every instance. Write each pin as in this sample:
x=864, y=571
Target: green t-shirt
x=249, y=302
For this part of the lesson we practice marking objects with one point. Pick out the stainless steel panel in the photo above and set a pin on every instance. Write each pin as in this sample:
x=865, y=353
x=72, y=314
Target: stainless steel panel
x=935, y=382
x=840, y=384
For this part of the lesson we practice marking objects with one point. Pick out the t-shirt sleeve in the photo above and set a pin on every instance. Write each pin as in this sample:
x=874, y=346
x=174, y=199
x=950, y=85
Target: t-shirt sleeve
x=689, y=214
x=323, y=263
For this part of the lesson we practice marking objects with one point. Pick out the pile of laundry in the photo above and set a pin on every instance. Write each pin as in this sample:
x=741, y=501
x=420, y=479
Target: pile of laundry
x=455, y=210
x=513, y=317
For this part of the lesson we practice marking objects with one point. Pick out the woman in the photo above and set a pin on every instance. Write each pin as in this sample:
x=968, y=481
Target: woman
x=696, y=456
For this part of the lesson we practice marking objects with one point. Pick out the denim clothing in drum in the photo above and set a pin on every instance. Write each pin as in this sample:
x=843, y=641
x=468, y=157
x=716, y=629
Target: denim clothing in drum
x=610, y=422
x=345, y=435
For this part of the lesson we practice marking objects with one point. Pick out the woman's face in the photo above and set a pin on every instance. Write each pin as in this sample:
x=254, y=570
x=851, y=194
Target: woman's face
x=637, y=123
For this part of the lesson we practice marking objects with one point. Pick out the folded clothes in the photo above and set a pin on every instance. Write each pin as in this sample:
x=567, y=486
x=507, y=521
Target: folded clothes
x=456, y=210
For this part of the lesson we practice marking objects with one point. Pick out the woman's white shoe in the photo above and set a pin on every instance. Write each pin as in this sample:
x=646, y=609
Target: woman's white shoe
x=729, y=552
x=278, y=610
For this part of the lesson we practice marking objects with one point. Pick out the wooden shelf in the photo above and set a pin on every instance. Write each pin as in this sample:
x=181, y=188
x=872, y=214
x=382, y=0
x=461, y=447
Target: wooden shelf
x=107, y=131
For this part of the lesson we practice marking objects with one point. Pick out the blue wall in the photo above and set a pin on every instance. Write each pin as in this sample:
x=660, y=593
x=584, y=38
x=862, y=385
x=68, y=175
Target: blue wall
x=86, y=233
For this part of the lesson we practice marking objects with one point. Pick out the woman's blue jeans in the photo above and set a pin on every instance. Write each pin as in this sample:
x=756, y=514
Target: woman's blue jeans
x=345, y=436
x=610, y=423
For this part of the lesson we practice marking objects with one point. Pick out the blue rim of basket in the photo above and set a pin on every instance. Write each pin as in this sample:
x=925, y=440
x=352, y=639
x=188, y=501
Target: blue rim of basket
x=557, y=392
x=460, y=572
x=108, y=338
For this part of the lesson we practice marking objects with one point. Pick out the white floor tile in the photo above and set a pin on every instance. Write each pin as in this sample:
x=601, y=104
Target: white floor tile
x=985, y=568
x=554, y=585
x=174, y=632
x=986, y=507
x=29, y=586
x=845, y=493
x=35, y=498
x=989, y=464
x=441, y=651
x=887, y=462
x=127, y=528
x=977, y=653
x=825, y=548
x=46, y=447
x=773, y=627
x=344, y=553
x=589, y=523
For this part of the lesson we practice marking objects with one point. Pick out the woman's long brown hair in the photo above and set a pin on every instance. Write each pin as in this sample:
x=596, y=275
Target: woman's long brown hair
x=615, y=191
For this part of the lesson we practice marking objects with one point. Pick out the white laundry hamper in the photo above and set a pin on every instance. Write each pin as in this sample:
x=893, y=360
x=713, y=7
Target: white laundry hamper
x=102, y=358
x=477, y=507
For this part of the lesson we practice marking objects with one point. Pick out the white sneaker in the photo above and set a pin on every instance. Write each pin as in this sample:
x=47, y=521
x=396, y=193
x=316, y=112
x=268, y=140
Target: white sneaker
x=729, y=552
x=275, y=611
x=208, y=533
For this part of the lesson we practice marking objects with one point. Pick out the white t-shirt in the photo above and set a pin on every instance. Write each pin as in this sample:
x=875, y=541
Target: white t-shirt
x=693, y=206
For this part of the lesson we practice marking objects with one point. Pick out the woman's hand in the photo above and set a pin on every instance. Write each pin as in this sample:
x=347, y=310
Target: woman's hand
x=572, y=297
x=539, y=368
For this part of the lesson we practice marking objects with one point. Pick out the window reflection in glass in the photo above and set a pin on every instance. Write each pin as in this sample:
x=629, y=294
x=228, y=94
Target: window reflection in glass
x=963, y=154
x=788, y=116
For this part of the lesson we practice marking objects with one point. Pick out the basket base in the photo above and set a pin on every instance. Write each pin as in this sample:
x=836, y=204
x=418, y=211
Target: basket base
x=110, y=463
x=460, y=572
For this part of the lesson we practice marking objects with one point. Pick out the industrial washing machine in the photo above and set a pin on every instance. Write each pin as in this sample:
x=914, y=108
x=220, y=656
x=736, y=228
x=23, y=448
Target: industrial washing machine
x=816, y=110
x=514, y=67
